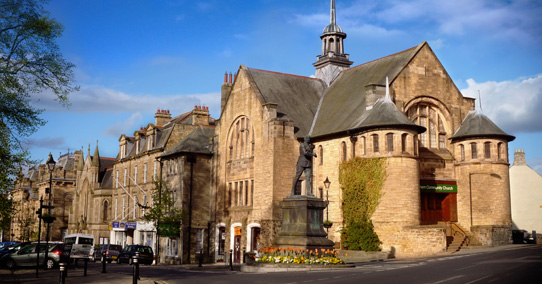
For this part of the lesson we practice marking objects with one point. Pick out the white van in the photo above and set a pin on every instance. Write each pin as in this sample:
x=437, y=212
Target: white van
x=78, y=246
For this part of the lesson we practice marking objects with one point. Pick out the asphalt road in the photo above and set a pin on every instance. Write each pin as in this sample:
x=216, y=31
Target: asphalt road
x=509, y=264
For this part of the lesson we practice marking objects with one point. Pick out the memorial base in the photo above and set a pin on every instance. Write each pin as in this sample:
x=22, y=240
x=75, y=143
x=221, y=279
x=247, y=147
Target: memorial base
x=302, y=224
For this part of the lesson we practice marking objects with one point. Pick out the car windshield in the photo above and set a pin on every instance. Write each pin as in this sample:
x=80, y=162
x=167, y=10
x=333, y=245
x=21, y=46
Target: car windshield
x=145, y=249
x=115, y=247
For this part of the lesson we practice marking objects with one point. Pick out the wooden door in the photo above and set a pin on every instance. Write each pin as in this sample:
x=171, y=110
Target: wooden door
x=237, y=249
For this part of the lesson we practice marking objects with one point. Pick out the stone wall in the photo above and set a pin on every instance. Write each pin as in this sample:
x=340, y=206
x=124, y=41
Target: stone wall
x=411, y=241
x=492, y=235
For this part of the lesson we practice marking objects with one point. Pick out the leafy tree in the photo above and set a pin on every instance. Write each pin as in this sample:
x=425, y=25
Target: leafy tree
x=30, y=62
x=163, y=212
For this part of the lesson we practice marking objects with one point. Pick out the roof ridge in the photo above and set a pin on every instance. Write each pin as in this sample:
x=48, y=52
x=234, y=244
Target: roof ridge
x=280, y=73
x=395, y=54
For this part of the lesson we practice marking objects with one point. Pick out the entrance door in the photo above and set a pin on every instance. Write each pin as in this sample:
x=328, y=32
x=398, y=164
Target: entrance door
x=436, y=207
x=237, y=249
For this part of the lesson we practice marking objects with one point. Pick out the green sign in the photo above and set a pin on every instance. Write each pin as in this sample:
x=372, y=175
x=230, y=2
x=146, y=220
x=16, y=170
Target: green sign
x=444, y=188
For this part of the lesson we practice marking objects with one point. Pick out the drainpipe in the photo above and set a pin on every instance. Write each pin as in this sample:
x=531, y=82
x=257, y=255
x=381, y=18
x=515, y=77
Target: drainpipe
x=192, y=160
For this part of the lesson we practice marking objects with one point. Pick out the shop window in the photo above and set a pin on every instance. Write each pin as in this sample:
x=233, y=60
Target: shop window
x=172, y=247
x=255, y=239
x=221, y=240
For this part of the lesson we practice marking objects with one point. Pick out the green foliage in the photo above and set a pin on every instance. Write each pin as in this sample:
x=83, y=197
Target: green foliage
x=361, y=181
x=30, y=63
x=163, y=212
x=360, y=236
x=7, y=212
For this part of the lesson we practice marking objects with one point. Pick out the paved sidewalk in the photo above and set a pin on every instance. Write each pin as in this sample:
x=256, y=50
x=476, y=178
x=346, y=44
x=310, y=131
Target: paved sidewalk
x=75, y=276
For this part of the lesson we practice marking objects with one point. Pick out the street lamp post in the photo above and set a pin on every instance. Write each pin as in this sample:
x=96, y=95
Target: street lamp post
x=327, y=183
x=51, y=166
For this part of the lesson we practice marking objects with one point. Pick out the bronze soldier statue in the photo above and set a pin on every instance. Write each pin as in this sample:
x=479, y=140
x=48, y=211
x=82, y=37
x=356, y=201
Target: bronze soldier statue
x=304, y=164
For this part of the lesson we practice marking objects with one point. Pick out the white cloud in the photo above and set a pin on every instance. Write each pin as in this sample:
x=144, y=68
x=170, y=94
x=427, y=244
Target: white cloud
x=124, y=126
x=56, y=143
x=92, y=98
x=513, y=105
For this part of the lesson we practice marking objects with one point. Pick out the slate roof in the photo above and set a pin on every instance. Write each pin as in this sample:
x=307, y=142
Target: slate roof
x=476, y=125
x=297, y=96
x=343, y=106
x=198, y=141
x=385, y=113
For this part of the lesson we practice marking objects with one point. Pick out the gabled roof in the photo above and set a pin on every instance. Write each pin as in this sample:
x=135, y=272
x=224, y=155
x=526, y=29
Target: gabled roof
x=296, y=97
x=477, y=125
x=198, y=142
x=344, y=106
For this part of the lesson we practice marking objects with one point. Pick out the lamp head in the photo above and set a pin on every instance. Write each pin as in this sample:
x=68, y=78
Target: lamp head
x=51, y=163
x=327, y=183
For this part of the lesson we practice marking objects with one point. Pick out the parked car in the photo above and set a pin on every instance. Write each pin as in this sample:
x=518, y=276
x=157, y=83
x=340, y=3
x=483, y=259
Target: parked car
x=7, y=250
x=108, y=251
x=146, y=255
x=6, y=244
x=27, y=255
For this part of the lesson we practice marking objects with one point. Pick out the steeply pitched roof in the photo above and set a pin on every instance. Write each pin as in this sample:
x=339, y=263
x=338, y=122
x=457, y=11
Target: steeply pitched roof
x=476, y=125
x=344, y=106
x=198, y=142
x=296, y=97
x=385, y=113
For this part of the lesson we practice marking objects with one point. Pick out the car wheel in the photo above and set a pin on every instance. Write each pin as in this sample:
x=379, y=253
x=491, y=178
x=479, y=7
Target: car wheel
x=50, y=264
x=10, y=264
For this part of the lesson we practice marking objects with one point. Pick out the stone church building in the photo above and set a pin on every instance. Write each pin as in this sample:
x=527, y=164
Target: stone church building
x=442, y=156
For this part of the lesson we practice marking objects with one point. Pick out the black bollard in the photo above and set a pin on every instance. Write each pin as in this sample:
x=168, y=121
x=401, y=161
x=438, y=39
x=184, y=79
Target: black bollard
x=231, y=260
x=200, y=257
x=86, y=261
x=135, y=268
x=62, y=279
x=103, y=264
x=244, y=260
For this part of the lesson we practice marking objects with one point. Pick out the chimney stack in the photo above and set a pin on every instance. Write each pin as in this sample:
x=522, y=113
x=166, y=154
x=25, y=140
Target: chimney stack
x=161, y=117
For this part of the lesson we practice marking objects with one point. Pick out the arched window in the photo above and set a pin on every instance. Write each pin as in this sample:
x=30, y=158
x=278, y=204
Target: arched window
x=474, y=153
x=321, y=154
x=462, y=150
x=363, y=146
x=429, y=116
x=375, y=143
x=353, y=140
x=343, y=150
x=404, y=143
x=241, y=140
x=499, y=151
x=487, y=150
x=389, y=142
x=106, y=209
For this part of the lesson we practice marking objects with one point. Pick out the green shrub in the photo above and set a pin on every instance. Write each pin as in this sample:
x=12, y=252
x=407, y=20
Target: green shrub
x=360, y=236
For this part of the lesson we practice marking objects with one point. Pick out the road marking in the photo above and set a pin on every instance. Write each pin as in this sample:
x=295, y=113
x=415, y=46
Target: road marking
x=479, y=279
x=467, y=267
x=448, y=279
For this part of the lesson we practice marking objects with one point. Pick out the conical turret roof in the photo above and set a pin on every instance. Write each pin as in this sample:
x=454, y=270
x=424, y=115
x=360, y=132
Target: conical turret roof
x=477, y=125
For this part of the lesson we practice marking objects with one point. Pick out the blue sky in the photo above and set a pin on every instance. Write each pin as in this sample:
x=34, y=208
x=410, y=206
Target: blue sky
x=134, y=57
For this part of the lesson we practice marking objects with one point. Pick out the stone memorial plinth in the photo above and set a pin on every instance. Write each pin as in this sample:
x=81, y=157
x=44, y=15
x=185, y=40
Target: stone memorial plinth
x=302, y=223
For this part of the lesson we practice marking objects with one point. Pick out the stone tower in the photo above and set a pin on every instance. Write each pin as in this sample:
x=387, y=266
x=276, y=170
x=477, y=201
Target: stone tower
x=333, y=59
x=483, y=198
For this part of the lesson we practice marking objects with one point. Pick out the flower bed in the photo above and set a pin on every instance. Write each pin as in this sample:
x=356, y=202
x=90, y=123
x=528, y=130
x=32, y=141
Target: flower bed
x=299, y=256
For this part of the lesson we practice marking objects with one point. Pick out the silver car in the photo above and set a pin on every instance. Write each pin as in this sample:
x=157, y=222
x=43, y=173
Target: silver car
x=27, y=256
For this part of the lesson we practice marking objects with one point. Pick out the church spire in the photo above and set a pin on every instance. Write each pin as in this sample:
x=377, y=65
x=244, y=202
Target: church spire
x=96, y=158
x=332, y=16
x=333, y=59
